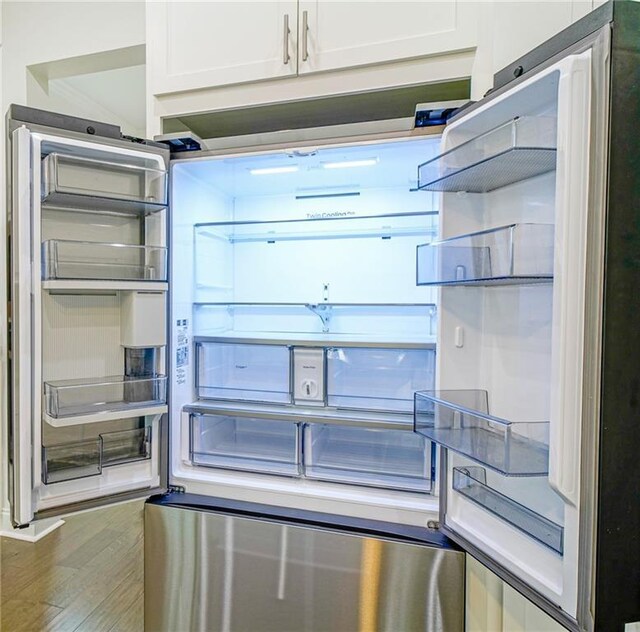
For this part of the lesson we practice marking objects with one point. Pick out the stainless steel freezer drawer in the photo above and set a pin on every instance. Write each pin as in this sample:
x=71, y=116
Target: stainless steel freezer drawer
x=245, y=570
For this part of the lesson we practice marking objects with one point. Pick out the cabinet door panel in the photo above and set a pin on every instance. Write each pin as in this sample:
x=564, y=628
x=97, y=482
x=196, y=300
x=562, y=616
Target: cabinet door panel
x=204, y=44
x=346, y=34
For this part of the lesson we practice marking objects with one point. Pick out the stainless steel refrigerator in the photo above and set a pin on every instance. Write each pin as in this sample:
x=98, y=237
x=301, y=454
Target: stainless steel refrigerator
x=319, y=361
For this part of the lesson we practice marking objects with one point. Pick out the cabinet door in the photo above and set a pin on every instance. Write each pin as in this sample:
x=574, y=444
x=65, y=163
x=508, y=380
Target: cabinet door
x=345, y=34
x=203, y=44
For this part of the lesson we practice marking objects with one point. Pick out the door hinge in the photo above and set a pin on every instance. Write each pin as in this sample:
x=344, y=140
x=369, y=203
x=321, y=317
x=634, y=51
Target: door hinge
x=176, y=489
x=433, y=524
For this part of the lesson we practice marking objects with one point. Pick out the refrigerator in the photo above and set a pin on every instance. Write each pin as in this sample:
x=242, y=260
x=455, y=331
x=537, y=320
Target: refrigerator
x=336, y=370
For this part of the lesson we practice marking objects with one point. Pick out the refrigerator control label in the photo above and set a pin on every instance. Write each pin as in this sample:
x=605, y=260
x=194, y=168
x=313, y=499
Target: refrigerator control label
x=182, y=350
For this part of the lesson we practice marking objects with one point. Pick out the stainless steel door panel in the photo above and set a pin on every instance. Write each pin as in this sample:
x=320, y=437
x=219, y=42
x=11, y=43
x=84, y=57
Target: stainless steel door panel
x=207, y=571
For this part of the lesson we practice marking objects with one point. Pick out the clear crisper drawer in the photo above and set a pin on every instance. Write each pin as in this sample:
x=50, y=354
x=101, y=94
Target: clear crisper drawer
x=69, y=398
x=378, y=378
x=519, y=253
x=519, y=149
x=397, y=459
x=460, y=420
x=76, y=181
x=259, y=373
x=256, y=445
x=70, y=461
x=471, y=482
x=97, y=261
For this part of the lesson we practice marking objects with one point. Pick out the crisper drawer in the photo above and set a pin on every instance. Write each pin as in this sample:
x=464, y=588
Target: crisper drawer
x=397, y=459
x=256, y=445
x=259, y=373
x=377, y=378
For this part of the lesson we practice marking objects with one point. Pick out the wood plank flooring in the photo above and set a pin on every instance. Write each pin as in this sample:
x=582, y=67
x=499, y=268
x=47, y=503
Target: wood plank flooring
x=86, y=576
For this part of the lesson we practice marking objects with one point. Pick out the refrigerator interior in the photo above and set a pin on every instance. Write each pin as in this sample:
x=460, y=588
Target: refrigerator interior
x=510, y=265
x=99, y=279
x=299, y=332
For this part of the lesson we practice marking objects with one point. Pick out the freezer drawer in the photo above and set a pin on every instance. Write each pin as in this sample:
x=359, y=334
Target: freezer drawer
x=377, y=378
x=76, y=181
x=259, y=373
x=239, y=567
x=256, y=445
x=397, y=459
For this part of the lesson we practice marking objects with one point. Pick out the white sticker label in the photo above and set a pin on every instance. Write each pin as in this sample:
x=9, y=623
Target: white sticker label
x=182, y=350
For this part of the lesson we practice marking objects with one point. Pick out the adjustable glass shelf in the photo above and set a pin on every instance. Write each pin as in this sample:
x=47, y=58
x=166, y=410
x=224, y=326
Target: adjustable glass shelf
x=509, y=255
x=471, y=483
x=64, y=261
x=255, y=445
x=384, y=226
x=72, y=402
x=460, y=421
x=519, y=149
x=80, y=459
x=76, y=182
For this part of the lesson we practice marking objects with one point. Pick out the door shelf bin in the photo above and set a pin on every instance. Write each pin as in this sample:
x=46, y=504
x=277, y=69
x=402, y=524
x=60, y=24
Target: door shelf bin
x=69, y=398
x=519, y=253
x=377, y=378
x=126, y=446
x=250, y=444
x=460, y=421
x=258, y=373
x=70, y=461
x=63, y=259
x=396, y=459
x=519, y=149
x=471, y=483
x=75, y=182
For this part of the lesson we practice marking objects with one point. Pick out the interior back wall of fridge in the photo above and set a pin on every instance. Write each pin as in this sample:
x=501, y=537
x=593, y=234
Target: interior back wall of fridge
x=258, y=241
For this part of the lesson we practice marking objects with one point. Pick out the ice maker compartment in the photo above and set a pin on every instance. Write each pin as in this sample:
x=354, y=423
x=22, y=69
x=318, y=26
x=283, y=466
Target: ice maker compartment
x=71, y=461
x=515, y=254
x=516, y=150
x=471, y=483
x=460, y=420
x=136, y=184
x=250, y=444
x=259, y=373
x=69, y=398
x=378, y=378
x=88, y=260
x=396, y=459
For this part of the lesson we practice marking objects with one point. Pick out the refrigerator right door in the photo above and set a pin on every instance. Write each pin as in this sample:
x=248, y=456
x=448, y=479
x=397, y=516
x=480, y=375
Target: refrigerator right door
x=514, y=268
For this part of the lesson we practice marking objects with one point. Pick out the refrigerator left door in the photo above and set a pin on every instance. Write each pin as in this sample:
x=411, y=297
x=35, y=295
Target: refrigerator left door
x=87, y=298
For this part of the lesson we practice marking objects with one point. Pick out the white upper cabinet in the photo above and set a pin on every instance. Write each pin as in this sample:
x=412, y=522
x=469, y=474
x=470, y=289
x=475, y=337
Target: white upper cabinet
x=201, y=44
x=196, y=45
x=337, y=35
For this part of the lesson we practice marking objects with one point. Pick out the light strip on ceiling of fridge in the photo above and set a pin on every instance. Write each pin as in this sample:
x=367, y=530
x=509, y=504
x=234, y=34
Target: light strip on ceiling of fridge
x=346, y=164
x=268, y=170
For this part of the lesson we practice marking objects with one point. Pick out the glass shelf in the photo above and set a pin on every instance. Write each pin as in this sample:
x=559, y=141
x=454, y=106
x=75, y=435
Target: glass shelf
x=70, y=398
x=345, y=227
x=71, y=461
x=256, y=445
x=460, y=421
x=86, y=260
x=393, y=459
x=81, y=459
x=86, y=183
x=471, y=483
x=519, y=149
x=515, y=254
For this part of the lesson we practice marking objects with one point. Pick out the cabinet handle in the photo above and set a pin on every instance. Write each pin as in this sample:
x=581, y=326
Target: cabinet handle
x=285, y=43
x=305, y=35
